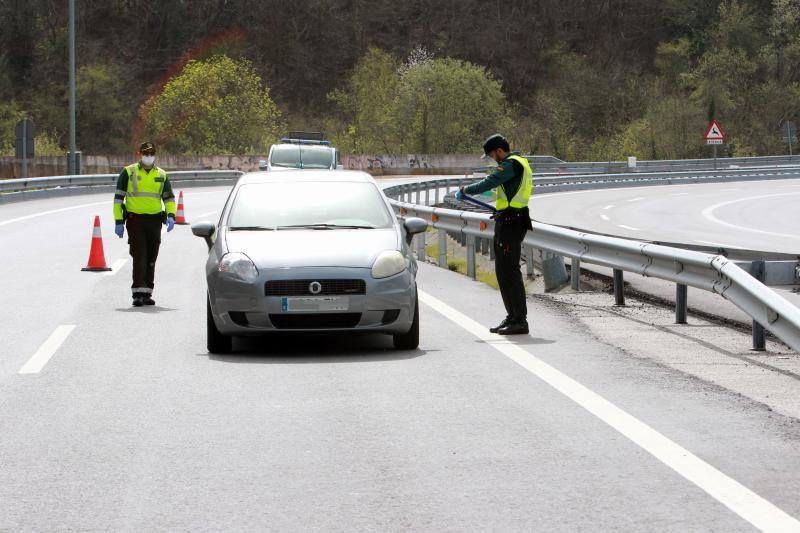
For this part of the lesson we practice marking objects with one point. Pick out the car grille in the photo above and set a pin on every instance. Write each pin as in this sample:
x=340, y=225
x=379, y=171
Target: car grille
x=316, y=321
x=299, y=287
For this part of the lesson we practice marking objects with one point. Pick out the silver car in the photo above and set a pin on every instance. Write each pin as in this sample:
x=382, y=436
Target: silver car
x=310, y=251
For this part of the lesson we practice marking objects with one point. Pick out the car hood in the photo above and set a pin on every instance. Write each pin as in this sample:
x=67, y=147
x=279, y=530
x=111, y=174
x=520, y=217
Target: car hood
x=316, y=248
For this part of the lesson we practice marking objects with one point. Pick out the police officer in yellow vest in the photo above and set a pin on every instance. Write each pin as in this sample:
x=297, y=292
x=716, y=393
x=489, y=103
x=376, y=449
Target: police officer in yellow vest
x=141, y=190
x=513, y=179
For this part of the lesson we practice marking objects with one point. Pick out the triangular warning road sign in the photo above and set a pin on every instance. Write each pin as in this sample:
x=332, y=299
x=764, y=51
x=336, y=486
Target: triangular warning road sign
x=714, y=132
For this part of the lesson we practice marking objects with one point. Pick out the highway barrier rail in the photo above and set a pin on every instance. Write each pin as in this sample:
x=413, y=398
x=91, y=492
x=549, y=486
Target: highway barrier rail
x=685, y=268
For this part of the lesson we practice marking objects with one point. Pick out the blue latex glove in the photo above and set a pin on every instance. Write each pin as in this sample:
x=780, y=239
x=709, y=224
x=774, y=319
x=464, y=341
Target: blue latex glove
x=170, y=224
x=460, y=194
x=119, y=229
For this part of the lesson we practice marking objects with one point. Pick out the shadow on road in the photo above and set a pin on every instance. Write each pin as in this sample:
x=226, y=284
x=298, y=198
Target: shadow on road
x=146, y=309
x=522, y=340
x=306, y=349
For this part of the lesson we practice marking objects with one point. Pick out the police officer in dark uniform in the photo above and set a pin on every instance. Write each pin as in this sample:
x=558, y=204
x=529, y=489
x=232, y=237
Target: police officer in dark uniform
x=142, y=188
x=513, y=179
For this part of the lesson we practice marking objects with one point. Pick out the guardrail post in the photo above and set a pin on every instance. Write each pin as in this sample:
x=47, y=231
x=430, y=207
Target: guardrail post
x=619, y=291
x=427, y=196
x=681, y=303
x=759, y=335
x=422, y=253
x=436, y=194
x=418, y=187
x=472, y=271
x=575, y=273
x=529, y=262
x=442, y=248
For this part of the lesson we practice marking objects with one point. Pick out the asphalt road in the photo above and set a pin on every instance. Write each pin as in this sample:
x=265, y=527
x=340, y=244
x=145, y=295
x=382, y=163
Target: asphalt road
x=131, y=425
x=751, y=215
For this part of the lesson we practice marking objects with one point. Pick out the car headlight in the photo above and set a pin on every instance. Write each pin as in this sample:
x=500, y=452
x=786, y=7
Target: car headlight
x=238, y=265
x=388, y=264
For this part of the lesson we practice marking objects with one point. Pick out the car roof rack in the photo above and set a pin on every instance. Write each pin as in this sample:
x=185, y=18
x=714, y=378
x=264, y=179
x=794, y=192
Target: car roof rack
x=306, y=137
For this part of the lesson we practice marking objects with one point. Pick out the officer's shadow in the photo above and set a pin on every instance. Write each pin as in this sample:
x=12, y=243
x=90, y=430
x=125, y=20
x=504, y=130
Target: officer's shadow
x=522, y=340
x=146, y=309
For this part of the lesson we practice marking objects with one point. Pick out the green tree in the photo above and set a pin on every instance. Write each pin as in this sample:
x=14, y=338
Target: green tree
x=10, y=114
x=215, y=106
x=448, y=106
x=103, y=121
x=365, y=105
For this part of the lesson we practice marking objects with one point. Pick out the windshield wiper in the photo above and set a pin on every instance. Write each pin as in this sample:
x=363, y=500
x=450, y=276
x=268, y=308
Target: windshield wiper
x=324, y=226
x=251, y=228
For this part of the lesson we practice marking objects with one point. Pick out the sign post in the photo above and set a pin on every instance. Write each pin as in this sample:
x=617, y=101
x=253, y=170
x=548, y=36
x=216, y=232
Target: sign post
x=24, y=133
x=714, y=136
x=789, y=130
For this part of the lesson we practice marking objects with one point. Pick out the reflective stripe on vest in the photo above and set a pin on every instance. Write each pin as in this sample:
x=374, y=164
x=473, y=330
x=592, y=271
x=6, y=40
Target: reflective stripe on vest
x=144, y=193
x=523, y=193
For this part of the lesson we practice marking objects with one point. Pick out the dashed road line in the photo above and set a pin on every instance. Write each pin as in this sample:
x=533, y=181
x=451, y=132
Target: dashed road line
x=51, y=212
x=206, y=214
x=606, y=208
x=636, y=199
x=756, y=510
x=719, y=244
x=37, y=362
x=116, y=266
x=623, y=226
x=605, y=217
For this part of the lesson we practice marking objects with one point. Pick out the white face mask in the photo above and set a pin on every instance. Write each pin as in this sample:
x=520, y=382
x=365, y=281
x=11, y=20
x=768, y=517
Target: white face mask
x=148, y=160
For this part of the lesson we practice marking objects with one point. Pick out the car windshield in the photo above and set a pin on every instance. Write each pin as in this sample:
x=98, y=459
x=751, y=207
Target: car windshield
x=312, y=205
x=301, y=156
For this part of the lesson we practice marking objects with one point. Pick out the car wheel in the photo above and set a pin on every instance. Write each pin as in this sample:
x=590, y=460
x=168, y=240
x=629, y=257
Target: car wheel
x=409, y=340
x=216, y=342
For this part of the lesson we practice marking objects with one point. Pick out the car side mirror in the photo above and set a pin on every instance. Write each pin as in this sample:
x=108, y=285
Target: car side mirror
x=205, y=230
x=262, y=165
x=413, y=226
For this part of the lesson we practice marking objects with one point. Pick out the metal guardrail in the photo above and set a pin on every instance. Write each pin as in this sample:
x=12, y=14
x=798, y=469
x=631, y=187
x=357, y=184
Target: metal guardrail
x=550, y=164
x=95, y=180
x=713, y=273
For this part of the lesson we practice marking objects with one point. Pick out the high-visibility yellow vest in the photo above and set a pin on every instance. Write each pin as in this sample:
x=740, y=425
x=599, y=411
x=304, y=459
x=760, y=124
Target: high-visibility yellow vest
x=145, y=192
x=523, y=193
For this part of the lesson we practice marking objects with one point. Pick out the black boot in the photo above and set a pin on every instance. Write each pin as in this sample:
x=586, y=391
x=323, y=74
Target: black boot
x=138, y=300
x=501, y=325
x=517, y=327
x=148, y=300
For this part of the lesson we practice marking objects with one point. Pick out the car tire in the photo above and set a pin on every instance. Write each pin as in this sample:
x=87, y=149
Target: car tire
x=410, y=339
x=216, y=342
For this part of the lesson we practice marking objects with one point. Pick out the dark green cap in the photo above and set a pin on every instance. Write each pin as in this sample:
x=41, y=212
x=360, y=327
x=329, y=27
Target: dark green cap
x=145, y=146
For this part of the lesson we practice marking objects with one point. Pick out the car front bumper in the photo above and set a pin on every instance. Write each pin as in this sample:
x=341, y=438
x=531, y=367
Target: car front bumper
x=243, y=308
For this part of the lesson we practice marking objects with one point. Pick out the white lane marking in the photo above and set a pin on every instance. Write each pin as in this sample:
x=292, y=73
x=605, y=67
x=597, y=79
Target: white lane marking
x=606, y=208
x=206, y=214
x=747, y=504
x=623, y=226
x=116, y=266
x=679, y=194
x=730, y=190
x=604, y=217
x=708, y=214
x=47, y=350
x=719, y=244
x=54, y=211
x=636, y=199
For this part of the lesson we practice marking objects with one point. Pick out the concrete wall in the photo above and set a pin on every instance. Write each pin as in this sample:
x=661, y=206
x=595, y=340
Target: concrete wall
x=377, y=165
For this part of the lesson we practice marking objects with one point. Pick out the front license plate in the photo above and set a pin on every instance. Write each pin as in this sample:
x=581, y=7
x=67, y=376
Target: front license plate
x=316, y=303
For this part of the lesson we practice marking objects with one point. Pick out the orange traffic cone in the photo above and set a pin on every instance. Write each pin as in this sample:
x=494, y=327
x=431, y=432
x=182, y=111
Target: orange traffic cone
x=97, y=259
x=179, y=217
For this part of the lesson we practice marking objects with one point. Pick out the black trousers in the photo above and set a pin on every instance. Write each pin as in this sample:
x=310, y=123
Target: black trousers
x=144, y=240
x=509, y=231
